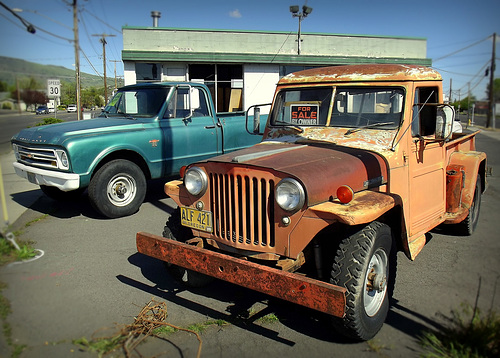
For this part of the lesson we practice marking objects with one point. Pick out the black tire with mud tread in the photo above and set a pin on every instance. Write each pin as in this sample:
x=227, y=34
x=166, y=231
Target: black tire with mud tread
x=175, y=231
x=350, y=269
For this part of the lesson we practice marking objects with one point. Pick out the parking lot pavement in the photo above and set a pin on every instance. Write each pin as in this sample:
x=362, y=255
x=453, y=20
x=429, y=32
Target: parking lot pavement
x=91, y=280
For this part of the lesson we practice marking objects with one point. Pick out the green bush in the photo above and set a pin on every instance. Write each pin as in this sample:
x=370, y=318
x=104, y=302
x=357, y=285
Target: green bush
x=7, y=105
x=50, y=120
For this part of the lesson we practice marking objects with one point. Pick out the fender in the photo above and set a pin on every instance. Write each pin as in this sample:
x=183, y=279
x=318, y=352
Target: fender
x=366, y=207
x=472, y=162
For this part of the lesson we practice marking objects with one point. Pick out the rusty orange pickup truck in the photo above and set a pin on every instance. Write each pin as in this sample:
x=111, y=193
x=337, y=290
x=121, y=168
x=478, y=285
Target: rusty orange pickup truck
x=356, y=163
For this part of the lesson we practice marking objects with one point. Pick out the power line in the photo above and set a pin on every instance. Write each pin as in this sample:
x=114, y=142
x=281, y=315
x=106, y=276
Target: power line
x=462, y=49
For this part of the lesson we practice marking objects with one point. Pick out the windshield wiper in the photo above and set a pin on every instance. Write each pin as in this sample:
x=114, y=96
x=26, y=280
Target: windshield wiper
x=367, y=126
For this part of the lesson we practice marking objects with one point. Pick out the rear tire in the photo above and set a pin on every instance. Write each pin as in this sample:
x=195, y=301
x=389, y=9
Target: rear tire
x=365, y=265
x=468, y=225
x=175, y=231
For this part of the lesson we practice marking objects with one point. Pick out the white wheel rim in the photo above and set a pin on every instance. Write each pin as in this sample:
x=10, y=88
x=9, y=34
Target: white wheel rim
x=375, y=287
x=121, y=189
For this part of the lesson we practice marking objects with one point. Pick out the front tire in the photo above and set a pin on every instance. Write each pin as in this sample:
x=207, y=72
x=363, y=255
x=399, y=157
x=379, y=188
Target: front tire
x=175, y=231
x=365, y=265
x=117, y=189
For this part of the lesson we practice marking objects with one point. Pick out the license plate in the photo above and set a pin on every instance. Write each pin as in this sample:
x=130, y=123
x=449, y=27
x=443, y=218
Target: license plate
x=196, y=219
x=32, y=178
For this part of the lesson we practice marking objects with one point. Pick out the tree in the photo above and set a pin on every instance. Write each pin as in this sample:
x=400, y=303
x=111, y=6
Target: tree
x=4, y=87
x=68, y=93
x=464, y=103
x=31, y=97
x=92, y=97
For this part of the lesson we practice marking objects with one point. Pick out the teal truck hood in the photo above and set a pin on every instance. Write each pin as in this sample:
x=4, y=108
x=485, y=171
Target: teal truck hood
x=57, y=134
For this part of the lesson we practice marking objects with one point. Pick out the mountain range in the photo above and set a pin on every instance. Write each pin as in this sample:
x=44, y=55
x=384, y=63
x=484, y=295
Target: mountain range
x=14, y=68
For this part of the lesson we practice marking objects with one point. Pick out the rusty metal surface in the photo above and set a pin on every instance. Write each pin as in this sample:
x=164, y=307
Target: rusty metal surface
x=366, y=207
x=318, y=295
x=359, y=73
x=322, y=168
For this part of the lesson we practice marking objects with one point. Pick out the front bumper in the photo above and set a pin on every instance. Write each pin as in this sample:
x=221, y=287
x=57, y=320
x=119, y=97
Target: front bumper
x=62, y=181
x=318, y=295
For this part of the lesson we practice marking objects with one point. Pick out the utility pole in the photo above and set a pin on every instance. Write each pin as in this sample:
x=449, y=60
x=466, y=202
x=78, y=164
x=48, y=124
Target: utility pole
x=116, y=83
x=103, y=41
x=490, y=117
x=77, y=62
x=449, y=99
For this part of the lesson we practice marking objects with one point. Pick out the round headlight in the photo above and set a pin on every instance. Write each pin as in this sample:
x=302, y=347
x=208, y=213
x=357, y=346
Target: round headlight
x=195, y=181
x=63, y=159
x=16, y=151
x=290, y=194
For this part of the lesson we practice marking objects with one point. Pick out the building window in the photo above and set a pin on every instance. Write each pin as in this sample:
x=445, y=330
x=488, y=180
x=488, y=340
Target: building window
x=225, y=83
x=148, y=72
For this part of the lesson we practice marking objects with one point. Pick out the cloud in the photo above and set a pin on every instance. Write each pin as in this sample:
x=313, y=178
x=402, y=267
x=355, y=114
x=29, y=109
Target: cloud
x=235, y=13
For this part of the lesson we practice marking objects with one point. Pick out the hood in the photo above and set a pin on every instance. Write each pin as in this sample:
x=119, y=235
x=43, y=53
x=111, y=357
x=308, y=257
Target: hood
x=57, y=134
x=322, y=168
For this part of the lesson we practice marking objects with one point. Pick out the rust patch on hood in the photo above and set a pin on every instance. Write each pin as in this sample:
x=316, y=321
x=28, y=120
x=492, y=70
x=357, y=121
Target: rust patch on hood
x=321, y=167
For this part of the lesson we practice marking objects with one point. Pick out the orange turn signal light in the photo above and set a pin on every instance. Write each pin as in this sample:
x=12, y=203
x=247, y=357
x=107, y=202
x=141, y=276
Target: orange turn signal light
x=345, y=194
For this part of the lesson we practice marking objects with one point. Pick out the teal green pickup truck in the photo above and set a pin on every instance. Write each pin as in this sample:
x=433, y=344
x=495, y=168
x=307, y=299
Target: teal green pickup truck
x=147, y=131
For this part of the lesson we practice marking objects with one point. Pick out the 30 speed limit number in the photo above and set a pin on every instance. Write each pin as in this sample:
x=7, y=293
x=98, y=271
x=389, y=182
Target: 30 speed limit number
x=53, y=88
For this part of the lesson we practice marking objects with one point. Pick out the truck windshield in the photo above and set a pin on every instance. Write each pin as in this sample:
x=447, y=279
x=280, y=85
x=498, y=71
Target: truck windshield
x=352, y=107
x=137, y=102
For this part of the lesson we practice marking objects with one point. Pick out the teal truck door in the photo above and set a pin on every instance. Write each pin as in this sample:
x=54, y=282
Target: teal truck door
x=189, y=130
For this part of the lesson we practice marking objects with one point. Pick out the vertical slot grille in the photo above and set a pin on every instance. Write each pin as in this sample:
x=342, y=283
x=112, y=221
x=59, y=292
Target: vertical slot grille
x=243, y=210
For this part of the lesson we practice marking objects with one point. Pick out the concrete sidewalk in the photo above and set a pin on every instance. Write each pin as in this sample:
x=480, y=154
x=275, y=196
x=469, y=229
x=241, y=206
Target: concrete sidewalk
x=19, y=193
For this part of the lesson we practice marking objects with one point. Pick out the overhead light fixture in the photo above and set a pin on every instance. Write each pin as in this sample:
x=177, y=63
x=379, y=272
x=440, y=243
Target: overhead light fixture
x=306, y=10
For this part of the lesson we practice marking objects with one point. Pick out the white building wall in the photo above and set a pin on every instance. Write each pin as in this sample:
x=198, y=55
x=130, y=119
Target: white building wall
x=129, y=73
x=259, y=83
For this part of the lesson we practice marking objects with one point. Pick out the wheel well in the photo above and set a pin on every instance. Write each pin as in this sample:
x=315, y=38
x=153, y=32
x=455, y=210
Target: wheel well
x=129, y=155
x=330, y=237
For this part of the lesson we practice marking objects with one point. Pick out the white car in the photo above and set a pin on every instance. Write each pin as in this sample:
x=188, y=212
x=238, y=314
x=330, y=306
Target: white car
x=71, y=108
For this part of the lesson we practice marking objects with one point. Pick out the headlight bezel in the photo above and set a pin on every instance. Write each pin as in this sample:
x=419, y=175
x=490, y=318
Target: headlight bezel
x=195, y=181
x=290, y=186
x=62, y=159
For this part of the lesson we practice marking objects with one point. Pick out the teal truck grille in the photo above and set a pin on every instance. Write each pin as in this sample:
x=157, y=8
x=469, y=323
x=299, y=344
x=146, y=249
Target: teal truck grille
x=39, y=157
x=243, y=209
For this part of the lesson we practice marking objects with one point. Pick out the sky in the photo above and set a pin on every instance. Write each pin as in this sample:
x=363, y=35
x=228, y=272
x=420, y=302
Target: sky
x=458, y=32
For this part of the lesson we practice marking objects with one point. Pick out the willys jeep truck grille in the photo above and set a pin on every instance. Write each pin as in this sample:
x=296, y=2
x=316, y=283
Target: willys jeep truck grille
x=243, y=208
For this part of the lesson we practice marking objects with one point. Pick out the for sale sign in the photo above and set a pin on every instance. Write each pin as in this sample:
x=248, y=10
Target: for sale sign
x=304, y=114
x=54, y=88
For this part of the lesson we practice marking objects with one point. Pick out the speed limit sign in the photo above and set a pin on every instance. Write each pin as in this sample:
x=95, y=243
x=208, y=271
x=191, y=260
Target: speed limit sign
x=54, y=88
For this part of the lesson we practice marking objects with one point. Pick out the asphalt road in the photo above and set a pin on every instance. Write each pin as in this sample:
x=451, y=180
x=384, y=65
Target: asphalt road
x=91, y=279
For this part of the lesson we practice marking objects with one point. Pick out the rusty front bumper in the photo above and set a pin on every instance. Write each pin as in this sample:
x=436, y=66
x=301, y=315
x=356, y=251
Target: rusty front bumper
x=318, y=295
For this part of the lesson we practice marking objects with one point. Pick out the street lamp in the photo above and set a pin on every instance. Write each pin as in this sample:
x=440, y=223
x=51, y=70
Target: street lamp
x=306, y=10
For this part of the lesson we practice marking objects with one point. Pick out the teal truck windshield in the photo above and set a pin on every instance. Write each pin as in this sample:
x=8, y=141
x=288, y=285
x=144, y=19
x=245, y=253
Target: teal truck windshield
x=138, y=102
x=352, y=107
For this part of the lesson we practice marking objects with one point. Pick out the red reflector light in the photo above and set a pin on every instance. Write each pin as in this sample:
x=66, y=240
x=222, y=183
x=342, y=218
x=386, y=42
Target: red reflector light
x=345, y=194
x=182, y=171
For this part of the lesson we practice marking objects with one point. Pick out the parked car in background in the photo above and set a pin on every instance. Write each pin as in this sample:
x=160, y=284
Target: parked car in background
x=71, y=108
x=42, y=110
